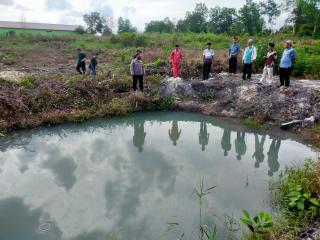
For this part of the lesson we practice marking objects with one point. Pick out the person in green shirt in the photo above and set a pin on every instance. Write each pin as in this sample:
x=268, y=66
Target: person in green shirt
x=81, y=62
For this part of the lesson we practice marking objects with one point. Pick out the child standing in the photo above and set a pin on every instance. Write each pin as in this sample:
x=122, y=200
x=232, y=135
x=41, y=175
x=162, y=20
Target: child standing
x=93, y=64
x=137, y=72
x=269, y=64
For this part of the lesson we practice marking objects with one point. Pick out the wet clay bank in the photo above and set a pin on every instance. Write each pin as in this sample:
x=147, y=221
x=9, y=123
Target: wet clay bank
x=229, y=96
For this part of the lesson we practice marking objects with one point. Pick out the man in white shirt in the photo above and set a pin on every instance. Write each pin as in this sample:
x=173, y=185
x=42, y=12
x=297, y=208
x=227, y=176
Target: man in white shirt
x=208, y=55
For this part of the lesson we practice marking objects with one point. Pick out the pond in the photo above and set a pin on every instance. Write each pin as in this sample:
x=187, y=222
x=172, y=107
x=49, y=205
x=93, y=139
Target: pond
x=127, y=178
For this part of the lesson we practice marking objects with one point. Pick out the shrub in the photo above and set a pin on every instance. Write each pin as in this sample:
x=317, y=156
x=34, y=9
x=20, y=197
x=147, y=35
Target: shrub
x=296, y=193
x=80, y=30
x=27, y=81
x=251, y=122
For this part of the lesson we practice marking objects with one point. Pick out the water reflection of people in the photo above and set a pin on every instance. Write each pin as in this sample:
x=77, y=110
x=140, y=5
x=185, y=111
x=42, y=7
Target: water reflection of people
x=273, y=157
x=203, y=136
x=258, y=154
x=226, y=142
x=240, y=144
x=139, y=134
x=174, y=133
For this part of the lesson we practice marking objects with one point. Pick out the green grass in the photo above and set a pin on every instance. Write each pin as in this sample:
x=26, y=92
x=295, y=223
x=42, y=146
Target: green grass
x=4, y=31
x=296, y=183
x=251, y=122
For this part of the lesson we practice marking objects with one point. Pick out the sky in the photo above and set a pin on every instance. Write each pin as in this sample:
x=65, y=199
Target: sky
x=71, y=12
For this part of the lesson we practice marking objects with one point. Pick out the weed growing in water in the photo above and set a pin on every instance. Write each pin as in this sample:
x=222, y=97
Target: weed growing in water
x=251, y=122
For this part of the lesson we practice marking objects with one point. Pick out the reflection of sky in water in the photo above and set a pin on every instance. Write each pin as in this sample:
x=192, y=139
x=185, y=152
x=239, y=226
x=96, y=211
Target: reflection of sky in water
x=130, y=176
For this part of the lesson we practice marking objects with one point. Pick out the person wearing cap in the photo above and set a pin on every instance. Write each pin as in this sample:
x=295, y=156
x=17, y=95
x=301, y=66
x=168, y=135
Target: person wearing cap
x=176, y=60
x=249, y=57
x=286, y=63
x=234, y=51
x=269, y=59
x=208, y=55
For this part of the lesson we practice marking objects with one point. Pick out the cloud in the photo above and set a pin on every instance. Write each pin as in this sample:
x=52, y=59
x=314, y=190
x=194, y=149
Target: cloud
x=104, y=9
x=128, y=10
x=7, y=2
x=57, y=5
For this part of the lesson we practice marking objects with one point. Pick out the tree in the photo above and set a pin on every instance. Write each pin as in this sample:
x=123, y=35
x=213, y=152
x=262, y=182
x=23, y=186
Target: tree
x=124, y=26
x=270, y=9
x=303, y=16
x=181, y=26
x=106, y=30
x=95, y=22
x=221, y=19
x=80, y=30
x=165, y=25
x=196, y=21
x=249, y=16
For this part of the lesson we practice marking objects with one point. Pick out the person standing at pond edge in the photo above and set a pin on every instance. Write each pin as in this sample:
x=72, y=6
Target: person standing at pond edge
x=269, y=59
x=286, y=63
x=137, y=72
x=234, y=51
x=93, y=64
x=248, y=59
x=81, y=62
x=208, y=55
x=176, y=58
x=174, y=133
x=203, y=136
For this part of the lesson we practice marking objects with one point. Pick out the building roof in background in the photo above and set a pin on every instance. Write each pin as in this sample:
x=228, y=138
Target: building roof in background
x=40, y=26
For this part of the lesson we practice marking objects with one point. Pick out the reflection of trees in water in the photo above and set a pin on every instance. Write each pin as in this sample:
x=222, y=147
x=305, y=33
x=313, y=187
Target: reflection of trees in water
x=226, y=141
x=20, y=222
x=240, y=144
x=273, y=152
x=203, y=135
x=139, y=134
x=174, y=133
x=258, y=154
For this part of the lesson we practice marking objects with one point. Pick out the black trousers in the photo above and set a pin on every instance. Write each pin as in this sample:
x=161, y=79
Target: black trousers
x=206, y=70
x=136, y=79
x=285, y=74
x=233, y=61
x=81, y=65
x=247, y=71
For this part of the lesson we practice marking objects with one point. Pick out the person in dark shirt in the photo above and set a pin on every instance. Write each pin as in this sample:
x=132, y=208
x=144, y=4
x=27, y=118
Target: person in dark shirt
x=81, y=62
x=93, y=64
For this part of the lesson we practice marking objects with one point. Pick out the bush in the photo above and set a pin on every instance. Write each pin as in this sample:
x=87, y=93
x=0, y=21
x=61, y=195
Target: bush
x=27, y=81
x=297, y=193
x=80, y=30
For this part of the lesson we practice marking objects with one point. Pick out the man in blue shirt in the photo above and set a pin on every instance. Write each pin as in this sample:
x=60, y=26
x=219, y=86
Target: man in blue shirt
x=234, y=50
x=287, y=60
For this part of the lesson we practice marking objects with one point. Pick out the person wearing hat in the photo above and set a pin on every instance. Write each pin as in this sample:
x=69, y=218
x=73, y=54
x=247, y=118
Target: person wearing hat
x=176, y=60
x=286, y=63
x=208, y=55
x=269, y=59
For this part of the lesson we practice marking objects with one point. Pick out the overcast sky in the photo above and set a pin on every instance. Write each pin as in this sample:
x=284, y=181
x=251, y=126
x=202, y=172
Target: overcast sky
x=71, y=12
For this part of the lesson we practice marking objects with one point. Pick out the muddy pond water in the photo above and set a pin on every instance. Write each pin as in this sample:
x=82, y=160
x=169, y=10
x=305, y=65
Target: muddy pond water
x=127, y=178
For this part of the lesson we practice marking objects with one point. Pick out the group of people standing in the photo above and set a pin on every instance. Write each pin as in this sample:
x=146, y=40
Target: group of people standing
x=249, y=57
